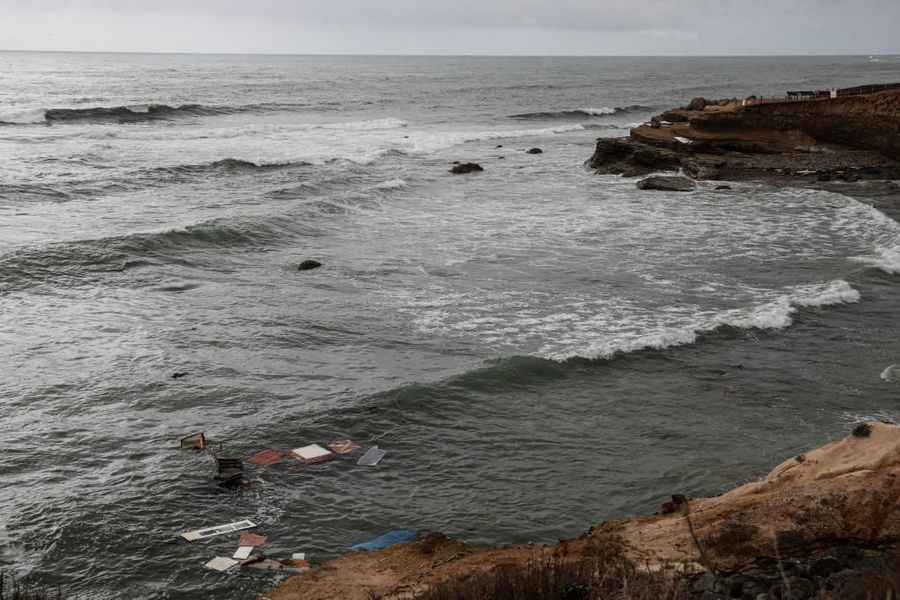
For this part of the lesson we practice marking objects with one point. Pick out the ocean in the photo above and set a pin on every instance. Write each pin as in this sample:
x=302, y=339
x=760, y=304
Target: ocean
x=537, y=348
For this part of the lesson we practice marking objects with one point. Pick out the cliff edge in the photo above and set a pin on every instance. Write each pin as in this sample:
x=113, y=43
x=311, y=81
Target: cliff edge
x=845, y=138
x=825, y=522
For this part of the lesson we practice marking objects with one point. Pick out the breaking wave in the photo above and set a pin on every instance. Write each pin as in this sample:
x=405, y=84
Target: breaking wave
x=78, y=262
x=776, y=314
x=134, y=113
x=885, y=258
x=580, y=113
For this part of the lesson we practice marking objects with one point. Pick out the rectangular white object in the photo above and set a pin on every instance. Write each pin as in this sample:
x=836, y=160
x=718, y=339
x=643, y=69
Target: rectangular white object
x=199, y=534
x=221, y=563
x=298, y=556
x=372, y=457
x=312, y=452
x=243, y=553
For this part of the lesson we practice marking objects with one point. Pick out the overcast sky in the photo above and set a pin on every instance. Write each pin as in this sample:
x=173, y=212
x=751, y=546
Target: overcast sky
x=455, y=26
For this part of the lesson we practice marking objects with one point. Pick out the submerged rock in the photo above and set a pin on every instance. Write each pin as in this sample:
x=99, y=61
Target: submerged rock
x=463, y=168
x=666, y=183
x=308, y=265
x=534, y=151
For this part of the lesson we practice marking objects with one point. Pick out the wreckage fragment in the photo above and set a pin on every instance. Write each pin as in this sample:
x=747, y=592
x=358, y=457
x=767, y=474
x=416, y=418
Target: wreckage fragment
x=209, y=532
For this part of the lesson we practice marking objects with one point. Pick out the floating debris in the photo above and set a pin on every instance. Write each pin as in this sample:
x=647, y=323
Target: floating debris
x=195, y=441
x=391, y=538
x=313, y=453
x=268, y=564
x=252, y=539
x=209, y=532
x=372, y=457
x=231, y=471
x=243, y=553
x=266, y=457
x=221, y=563
x=298, y=556
x=343, y=446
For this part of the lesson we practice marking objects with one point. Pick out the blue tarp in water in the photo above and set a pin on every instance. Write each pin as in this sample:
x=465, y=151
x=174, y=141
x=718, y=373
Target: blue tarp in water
x=398, y=536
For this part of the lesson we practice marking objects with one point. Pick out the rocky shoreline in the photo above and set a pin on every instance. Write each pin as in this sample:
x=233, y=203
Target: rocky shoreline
x=844, y=139
x=822, y=524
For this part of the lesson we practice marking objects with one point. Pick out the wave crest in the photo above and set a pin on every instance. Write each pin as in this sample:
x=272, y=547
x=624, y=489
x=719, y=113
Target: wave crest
x=580, y=113
x=776, y=314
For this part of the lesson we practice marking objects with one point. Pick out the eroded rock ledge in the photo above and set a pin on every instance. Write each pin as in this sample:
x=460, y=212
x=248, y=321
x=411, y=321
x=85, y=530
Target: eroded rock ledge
x=846, y=138
x=824, y=521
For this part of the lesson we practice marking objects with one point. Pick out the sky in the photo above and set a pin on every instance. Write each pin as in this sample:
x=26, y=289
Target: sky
x=510, y=27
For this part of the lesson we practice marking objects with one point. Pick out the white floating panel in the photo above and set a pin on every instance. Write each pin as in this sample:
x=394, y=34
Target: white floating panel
x=312, y=453
x=243, y=553
x=199, y=534
x=372, y=457
x=221, y=563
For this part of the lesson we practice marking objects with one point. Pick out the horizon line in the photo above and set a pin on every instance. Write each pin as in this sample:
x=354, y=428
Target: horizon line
x=450, y=55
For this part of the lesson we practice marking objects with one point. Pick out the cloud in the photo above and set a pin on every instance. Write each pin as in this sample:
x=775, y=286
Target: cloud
x=461, y=26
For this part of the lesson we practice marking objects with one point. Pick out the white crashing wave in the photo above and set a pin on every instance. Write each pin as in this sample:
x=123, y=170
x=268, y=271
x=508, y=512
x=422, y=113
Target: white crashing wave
x=891, y=373
x=873, y=226
x=777, y=314
x=23, y=116
x=599, y=112
x=885, y=258
x=387, y=123
x=393, y=184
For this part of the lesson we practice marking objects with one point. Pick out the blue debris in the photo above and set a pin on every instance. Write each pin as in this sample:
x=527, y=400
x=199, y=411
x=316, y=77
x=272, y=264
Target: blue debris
x=391, y=538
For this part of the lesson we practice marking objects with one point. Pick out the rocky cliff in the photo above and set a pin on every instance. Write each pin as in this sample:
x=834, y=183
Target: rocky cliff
x=822, y=524
x=848, y=138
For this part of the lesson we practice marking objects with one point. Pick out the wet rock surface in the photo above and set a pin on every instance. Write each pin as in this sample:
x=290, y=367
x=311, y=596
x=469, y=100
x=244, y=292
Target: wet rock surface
x=463, y=168
x=846, y=140
x=666, y=183
x=308, y=265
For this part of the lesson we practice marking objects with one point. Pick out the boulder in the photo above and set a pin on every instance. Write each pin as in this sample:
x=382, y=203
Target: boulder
x=698, y=103
x=666, y=183
x=308, y=265
x=463, y=168
x=535, y=151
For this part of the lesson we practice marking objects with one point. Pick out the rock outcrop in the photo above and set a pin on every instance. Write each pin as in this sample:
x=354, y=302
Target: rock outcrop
x=845, y=138
x=308, y=265
x=825, y=520
x=667, y=184
x=463, y=168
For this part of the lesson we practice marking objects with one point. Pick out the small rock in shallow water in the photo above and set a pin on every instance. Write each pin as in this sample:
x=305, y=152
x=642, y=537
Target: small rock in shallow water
x=723, y=187
x=461, y=169
x=307, y=265
x=666, y=183
x=534, y=151
x=178, y=375
x=862, y=430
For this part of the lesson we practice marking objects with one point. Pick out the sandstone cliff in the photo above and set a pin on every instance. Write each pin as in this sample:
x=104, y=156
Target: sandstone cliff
x=808, y=525
x=846, y=138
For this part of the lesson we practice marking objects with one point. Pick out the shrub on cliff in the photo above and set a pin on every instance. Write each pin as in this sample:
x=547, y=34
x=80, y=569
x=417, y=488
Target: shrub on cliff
x=604, y=574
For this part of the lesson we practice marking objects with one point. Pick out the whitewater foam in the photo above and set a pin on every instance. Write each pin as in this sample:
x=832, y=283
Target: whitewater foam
x=393, y=184
x=776, y=314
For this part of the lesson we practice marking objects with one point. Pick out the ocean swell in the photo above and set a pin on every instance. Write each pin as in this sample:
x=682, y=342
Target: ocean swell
x=134, y=113
x=73, y=263
x=580, y=113
x=775, y=314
